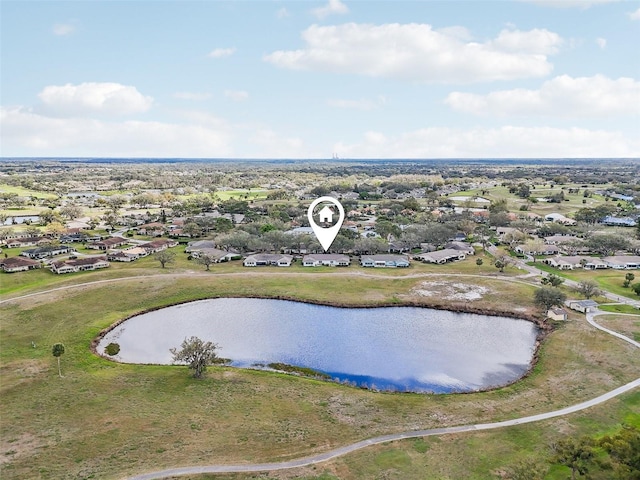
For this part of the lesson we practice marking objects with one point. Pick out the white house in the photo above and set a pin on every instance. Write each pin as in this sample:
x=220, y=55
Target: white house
x=18, y=264
x=623, y=262
x=265, y=259
x=79, y=265
x=441, y=256
x=583, y=306
x=387, y=260
x=326, y=259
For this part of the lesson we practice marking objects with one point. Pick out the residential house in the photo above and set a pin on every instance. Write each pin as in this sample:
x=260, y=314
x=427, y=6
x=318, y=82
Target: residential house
x=545, y=250
x=441, y=256
x=200, y=244
x=215, y=254
x=159, y=245
x=583, y=306
x=623, y=262
x=79, y=265
x=559, y=218
x=557, y=313
x=619, y=221
x=265, y=259
x=326, y=259
x=18, y=264
x=26, y=242
x=108, y=243
x=384, y=260
x=570, y=262
x=153, y=229
x=46, y=251
x=128, y=254
x=465, y=247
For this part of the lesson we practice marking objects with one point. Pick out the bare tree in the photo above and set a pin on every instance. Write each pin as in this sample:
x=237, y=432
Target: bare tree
x=588, y=288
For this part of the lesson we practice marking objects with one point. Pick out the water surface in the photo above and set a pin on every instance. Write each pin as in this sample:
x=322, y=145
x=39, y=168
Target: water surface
x=387, y=348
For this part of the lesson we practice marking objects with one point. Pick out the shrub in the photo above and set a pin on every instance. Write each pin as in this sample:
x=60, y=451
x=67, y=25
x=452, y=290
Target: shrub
x=112, y=349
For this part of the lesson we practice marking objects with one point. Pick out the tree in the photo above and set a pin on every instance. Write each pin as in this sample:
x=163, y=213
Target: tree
x=165, y=257
x=636, y=288
x=527, y=469
x=479, y=262
x=502, y=261
x=206, y=260
x=547, y=297
x=575, y=454
x=57, y=351
x=553, y=280
x=624, y=449
x=71, y=211
x=197, y=354
x=628, y=278
x=607, y=244
x=588, y=288
x=192, y=229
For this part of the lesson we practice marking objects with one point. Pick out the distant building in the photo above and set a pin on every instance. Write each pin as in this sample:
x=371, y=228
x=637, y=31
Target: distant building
x=79, y=265
x=266, y=259
x=584, y=306
x=326, y=259
x=381, y=261
x=18, y=264
x=557, y=313
x=441, y=256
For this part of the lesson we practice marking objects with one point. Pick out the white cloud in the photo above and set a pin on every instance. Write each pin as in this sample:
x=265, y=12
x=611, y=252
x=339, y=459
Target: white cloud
x=536, y=41
x=236, y=95
x=504, y=142
x=92, y=97
x=195, y=96
x=62, y=29
x=416, y=52
x=361, y=104
x=334, y=7
x=635, y=15
x=602, y=42
x=562, y=96
x=221, y=52
x=27, y=133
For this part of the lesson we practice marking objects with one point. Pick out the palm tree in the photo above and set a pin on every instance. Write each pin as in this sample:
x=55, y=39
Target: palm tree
x=57, y=350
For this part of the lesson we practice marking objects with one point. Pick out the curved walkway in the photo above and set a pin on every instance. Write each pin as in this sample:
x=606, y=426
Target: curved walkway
x=323, y=457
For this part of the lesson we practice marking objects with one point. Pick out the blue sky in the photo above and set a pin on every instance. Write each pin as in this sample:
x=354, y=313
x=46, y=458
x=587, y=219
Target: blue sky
x=307, y=79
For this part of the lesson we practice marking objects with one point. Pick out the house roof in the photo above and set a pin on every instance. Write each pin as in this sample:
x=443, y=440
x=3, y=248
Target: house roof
x=12, y=262
x=385, y=258
x=326, y=256
x=442, y=254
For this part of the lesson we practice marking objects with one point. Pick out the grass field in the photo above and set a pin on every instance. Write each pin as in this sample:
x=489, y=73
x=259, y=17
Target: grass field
x=25, y=192
x=105, y=420
x=253, y=194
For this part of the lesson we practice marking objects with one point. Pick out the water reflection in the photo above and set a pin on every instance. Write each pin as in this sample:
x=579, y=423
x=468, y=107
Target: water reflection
x=389, y=348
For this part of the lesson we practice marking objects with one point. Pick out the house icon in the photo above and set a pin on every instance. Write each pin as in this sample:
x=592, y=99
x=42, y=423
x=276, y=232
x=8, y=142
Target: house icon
x=326, y=215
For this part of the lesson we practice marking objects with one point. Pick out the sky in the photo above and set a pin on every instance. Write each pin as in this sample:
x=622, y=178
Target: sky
x=314, y=79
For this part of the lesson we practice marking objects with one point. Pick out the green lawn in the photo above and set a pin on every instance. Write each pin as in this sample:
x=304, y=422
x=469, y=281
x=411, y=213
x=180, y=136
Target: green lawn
x=25, y=192
x=105, y=420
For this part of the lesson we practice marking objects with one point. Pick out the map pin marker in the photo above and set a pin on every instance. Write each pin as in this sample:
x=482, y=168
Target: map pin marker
x=326, y=235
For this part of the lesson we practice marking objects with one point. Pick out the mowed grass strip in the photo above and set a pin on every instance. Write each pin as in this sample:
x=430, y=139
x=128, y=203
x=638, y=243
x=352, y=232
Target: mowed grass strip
x=107, y=420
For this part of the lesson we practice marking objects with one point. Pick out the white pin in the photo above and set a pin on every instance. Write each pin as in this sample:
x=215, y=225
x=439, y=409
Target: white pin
x=326, y=235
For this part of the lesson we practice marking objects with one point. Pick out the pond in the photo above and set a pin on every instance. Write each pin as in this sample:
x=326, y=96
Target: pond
x=16, y=219
x=385, y=348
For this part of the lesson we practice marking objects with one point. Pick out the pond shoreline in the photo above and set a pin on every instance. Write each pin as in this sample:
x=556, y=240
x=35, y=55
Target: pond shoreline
x=543, y=328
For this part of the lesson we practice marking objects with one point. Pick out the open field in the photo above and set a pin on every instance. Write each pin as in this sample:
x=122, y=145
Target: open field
x=105, y=420
x=25, y=192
